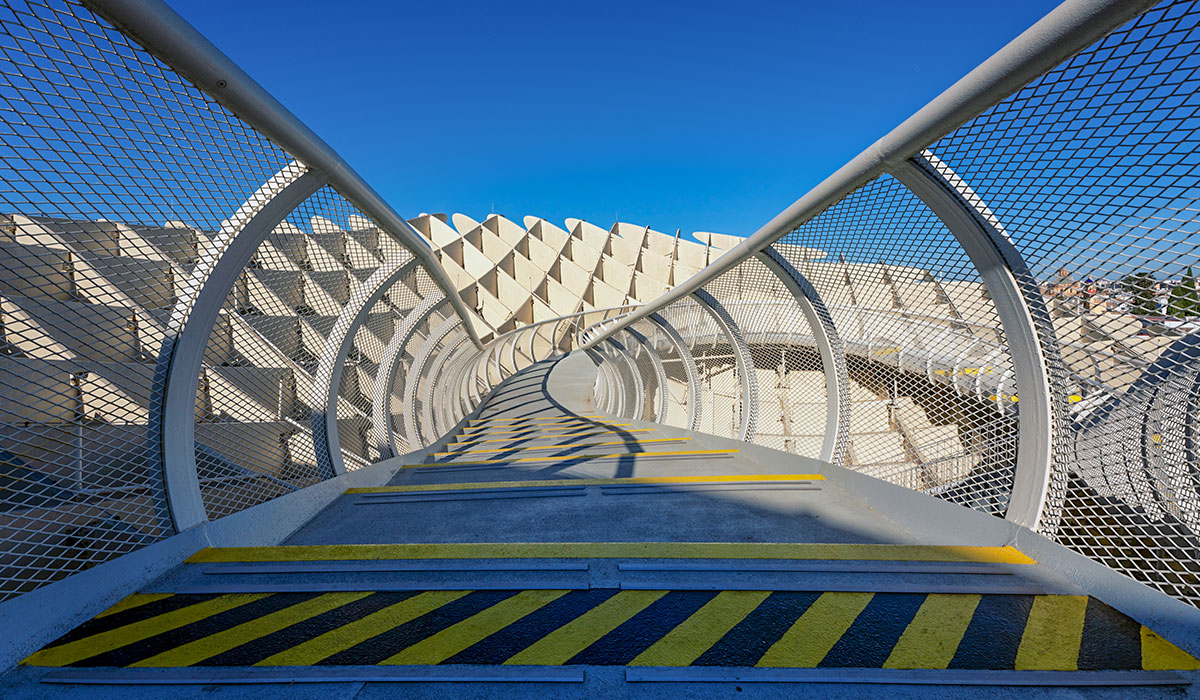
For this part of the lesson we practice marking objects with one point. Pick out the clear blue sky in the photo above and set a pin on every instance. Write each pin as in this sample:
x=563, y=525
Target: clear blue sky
x=700, y=115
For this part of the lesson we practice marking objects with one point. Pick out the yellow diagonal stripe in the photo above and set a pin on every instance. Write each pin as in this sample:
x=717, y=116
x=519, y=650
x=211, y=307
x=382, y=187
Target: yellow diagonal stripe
x=134, y=601
x=323, y=646
x=81, y=649
x=1052, y=634
x=723, y=478
x=692, y=637
x=565, y=642
x=811, y=637
x=613, y=550
x=201, y=649
x=545, y=437
x=932, y=638
x=561, y=447
x=575, y=458
x=1160, y=655
x=441, y=646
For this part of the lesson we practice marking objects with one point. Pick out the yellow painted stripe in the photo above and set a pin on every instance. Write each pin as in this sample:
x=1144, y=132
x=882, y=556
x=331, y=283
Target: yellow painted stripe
x=546, y=437
x=81, y=649
x=134, y=601
x=547, y=429
x=565, y=642
x=1160, y=655
x=563, y=447
x=811, y=637
x=695, y=635
x=573, y=458
x=455, y=638
x=1052, y=634
x=531, y=418
x=573, y=424
x=323, y=646
x=722, y=478
x=613, y=550
x=932, y=638
x=196, y=651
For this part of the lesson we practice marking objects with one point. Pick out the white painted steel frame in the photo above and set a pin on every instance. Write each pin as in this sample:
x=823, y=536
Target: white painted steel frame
x=829, y=345
x=695, y=409
x=1022, y=313
x=742, y=358
x=172, y=421
x=381, y=409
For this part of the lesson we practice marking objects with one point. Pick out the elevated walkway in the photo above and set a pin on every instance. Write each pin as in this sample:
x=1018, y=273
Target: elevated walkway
x=547, y=550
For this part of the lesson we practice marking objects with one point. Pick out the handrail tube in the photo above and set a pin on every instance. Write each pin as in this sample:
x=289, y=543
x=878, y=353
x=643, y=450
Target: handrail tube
x=1066, y=30
x=170, y=38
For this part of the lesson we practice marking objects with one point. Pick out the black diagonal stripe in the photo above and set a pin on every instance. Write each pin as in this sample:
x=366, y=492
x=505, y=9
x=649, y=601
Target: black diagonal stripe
x=497, y=648
x=639, y=632
x=380, y=647
x=994, y=634
x=252, y=652
x=132, y=653
x=870, y=639
x=126, y=617
x=749, y=639
x=1111, y=639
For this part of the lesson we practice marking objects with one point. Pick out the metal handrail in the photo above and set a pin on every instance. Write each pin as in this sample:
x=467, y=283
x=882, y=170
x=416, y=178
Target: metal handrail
x=1066, y=30
x=171, y=39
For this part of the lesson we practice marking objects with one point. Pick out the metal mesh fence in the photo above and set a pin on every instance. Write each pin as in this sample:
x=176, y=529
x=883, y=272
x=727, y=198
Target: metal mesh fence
x=112, y=171
x=1092, y=171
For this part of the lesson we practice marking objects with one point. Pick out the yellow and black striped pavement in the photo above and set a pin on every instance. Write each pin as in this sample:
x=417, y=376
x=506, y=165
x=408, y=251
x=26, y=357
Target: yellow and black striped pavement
x=615, y=627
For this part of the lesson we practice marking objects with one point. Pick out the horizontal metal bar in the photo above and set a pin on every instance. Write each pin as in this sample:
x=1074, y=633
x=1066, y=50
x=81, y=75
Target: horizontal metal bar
x=864, y=567
x=375, y=586
x=700, y=674
x=988, y=587
x=327, y=567
x=314, y=674
x=1065, y=31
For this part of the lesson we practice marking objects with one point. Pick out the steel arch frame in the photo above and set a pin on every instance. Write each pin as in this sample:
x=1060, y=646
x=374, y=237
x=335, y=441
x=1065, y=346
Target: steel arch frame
x=172, y=410
x=829, y=345
x=742, y=359
x=695, y=409
x=381, y=413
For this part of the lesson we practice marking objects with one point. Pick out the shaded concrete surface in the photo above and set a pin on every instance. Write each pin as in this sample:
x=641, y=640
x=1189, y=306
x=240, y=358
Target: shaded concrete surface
x=810, y=510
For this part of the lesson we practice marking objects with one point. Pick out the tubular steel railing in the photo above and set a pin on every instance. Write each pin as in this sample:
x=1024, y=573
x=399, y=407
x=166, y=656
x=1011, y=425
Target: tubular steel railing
x=974, y=306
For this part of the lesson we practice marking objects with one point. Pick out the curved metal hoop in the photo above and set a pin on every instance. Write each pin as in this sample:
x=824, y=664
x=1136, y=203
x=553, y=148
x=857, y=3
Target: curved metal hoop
x=695, y=409
x=833, y=353
x=741, y=355
x=1023, y=315
x=415, y=372
x=172, y=429
x=381, y=411
x=327, y=379
x=660, y=373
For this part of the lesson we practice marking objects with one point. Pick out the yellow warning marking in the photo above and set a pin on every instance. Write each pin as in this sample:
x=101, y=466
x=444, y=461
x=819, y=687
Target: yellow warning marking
x=546, y=437
x=593, y=426
x=565, y=642
x=1052, y=634
x=1160, y=655
x=811, y=637
x=133, y=601
x=932, y=638
x=557, y=425
x=562, y=447
x=81, y=649
x=196, y=651
x=455, y=638
x=531, y=418
x=323, y=646
x=587, y=482
x=614, y=550
x=695, y=635
x=573, y=458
